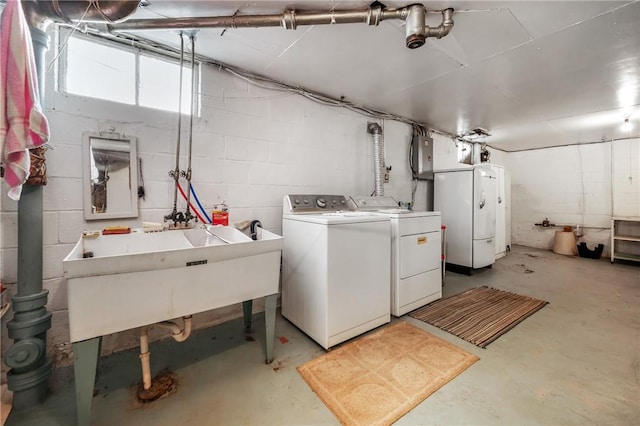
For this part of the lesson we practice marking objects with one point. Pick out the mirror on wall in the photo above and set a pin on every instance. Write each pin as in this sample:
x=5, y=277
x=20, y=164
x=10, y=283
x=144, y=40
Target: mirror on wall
x=110, y=176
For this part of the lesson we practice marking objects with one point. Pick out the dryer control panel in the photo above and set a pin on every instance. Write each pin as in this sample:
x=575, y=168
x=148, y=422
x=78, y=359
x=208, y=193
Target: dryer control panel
x=313, y=203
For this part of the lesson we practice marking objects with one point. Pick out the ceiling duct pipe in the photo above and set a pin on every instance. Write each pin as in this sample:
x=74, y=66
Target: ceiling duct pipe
x=378, y=157
x=416, y=33
x=68, y=11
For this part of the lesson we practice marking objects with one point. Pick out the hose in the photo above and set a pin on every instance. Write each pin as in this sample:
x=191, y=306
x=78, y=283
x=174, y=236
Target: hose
x=254, y=231
x=193, y=208
x=195, y=197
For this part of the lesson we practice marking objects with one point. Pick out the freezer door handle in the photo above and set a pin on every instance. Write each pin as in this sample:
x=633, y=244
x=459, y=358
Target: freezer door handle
x=499, y=200
x=483, y=202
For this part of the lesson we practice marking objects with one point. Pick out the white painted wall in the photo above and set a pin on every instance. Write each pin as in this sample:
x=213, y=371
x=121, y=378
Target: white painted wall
x=626, y=178
x=251, y=147
x=572, y=185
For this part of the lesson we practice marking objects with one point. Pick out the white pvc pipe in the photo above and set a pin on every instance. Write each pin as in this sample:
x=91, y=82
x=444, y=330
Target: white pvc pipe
x=145, y=358
x=178, y=334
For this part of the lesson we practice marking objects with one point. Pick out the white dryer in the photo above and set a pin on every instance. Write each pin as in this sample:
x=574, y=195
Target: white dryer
x=335, y=268
x=416, y=267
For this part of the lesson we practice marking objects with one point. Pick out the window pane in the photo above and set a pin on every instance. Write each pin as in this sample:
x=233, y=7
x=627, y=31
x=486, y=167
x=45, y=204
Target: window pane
x=159, y=82
x=100, y=71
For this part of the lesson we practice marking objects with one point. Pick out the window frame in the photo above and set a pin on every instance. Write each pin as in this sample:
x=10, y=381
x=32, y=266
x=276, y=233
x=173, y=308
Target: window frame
x=64, y=33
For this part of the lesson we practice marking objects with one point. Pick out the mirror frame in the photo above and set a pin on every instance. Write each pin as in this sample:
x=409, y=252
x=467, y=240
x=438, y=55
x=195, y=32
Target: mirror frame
x=86, y=175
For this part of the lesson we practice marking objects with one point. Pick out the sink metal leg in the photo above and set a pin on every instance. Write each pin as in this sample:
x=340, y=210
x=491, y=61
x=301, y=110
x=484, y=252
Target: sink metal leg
x=270, y=322
x=85, y=363
x=247, y=309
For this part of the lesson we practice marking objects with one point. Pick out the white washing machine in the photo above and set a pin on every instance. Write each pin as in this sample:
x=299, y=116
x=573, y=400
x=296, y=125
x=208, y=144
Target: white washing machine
x=335, y=268
x=416, y=267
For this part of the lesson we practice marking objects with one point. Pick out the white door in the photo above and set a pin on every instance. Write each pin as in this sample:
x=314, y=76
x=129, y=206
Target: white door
x=507, y=208
x=484, y=203
x=500, y=240
x=453, y=198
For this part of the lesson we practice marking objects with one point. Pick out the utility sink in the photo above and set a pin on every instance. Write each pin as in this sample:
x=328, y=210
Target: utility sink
x=119, y=282
x=136, y=279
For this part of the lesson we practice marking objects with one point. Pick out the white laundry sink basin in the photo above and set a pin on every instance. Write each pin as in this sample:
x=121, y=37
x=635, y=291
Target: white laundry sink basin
x=138, y=279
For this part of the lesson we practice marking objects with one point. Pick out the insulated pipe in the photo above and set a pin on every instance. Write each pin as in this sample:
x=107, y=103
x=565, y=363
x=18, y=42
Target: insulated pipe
x=378, y=157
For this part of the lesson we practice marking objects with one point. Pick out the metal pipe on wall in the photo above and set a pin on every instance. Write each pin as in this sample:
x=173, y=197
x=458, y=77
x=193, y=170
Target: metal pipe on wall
x=30, y=367
x=90, y=11
x=289, y=19
x=416, y=29
x=27, y=357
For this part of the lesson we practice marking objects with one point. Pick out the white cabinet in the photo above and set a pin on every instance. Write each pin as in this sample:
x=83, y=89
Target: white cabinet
x=503, y=211
x=625, y=238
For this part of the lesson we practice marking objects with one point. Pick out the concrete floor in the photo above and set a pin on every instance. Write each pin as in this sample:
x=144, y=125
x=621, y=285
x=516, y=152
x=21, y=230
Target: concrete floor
x=576, y=361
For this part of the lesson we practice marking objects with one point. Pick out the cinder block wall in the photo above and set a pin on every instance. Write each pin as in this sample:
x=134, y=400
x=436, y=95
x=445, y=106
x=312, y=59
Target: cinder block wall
x=251, y=146
x=572, y=185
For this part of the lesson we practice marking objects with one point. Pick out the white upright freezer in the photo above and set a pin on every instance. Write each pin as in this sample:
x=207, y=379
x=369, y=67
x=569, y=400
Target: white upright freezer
x=466, y=199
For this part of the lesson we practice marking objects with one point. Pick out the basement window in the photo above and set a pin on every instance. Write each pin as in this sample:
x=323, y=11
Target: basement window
x=95, y=68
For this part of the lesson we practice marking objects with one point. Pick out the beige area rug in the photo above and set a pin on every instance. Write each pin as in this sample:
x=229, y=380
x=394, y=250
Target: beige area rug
x=379, y=377
x=479, y=315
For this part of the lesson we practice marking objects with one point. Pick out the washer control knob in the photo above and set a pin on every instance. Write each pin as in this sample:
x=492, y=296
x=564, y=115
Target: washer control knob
x=320, y=202
x=306, y=201
x=342, y=201
x=296, y=201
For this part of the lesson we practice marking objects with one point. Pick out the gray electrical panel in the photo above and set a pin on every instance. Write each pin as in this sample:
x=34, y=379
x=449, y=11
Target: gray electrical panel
x=422, y=157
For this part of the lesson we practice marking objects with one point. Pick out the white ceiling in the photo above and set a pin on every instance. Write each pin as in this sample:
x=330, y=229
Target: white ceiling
x=533, y=73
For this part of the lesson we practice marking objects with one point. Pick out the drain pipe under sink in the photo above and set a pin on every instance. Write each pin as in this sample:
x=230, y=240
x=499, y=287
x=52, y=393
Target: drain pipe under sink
x=178, y=334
